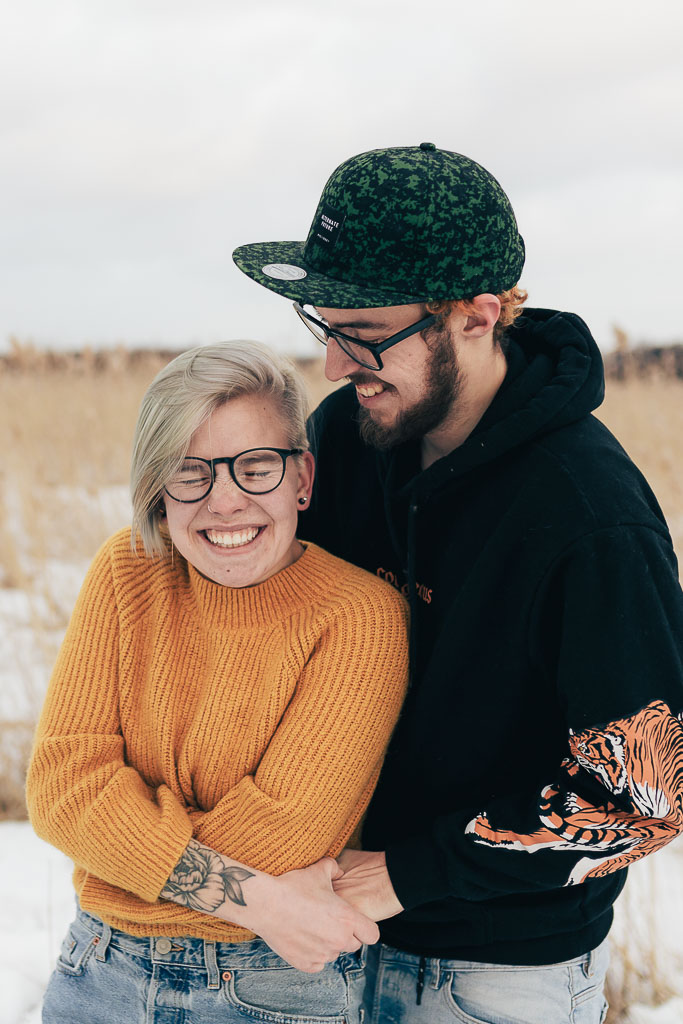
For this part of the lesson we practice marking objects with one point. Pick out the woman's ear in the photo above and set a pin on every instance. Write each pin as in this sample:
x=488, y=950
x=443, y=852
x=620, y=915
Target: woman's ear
x=306, y=470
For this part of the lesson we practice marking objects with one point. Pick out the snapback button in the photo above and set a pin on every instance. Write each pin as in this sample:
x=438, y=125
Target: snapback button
x=427, y=145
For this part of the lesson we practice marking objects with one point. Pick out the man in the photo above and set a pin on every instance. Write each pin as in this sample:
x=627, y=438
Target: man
x=540, y=750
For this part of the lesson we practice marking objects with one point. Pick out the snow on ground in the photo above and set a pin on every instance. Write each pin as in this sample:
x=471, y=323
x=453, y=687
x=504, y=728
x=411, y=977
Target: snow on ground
x=37, y=901
x=648, y=934
x=34, y=617
x=669, y=1013
x=37, y=904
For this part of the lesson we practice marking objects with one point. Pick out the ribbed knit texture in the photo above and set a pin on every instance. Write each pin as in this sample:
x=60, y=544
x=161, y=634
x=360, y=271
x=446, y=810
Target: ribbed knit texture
x=253, y=719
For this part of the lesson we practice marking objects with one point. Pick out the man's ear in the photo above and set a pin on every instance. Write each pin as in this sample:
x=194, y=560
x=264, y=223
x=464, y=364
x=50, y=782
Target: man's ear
x=483, y=317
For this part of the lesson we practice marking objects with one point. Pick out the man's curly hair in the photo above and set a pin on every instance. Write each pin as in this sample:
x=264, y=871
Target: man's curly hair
x=511, y=303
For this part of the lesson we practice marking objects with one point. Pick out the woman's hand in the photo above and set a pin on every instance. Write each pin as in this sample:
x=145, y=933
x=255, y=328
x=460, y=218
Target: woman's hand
x=307, y=924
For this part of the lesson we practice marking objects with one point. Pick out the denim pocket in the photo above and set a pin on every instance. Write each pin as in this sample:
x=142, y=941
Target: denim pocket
x=587, y=984
x=288, y=996
x=554, y=993
x=583, y=989
x=76, y=950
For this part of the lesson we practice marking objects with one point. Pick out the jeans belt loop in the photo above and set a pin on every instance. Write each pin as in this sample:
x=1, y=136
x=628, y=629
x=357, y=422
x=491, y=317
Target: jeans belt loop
x=214, y=978
x=436, y=979
x=588, y=965
x=103, y=944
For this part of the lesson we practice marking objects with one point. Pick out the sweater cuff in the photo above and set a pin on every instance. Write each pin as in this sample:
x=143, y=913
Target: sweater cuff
x=416, y=872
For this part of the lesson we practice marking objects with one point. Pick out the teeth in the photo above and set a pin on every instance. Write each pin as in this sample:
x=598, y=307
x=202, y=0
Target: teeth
x=369, y=390
x=231, y=540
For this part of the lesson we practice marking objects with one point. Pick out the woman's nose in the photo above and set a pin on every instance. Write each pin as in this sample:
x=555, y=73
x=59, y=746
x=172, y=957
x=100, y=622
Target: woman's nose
x=225, y=496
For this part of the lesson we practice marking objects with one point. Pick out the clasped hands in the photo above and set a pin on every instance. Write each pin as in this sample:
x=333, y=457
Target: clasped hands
x=329, y=908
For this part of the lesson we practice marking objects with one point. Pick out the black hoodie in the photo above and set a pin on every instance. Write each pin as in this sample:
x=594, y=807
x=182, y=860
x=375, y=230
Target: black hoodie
x=540, y=749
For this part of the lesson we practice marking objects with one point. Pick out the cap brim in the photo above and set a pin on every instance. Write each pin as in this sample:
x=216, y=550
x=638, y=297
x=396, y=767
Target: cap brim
x=301, y=283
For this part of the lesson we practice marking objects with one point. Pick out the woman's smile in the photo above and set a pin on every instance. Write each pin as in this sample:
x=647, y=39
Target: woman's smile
x=233, y=538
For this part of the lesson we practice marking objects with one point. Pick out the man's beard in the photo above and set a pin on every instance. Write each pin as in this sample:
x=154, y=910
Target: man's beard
x=442, y=387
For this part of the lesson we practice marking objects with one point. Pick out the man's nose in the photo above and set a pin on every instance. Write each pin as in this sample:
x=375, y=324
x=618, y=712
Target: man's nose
x=337, y=363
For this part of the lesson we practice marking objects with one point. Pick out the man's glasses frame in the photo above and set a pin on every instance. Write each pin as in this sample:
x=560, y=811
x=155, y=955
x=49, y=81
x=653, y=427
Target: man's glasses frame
x=229, y=461
x=323, y=332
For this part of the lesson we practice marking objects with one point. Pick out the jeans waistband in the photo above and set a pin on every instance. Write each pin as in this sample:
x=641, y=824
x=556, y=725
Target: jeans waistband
x=414, y=961
x=184, y=950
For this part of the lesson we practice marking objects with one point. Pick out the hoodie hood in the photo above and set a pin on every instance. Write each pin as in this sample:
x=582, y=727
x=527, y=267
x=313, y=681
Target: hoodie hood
x=555, y=377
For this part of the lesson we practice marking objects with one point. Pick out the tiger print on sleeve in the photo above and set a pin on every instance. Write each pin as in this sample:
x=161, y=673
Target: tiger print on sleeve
x=638, y=760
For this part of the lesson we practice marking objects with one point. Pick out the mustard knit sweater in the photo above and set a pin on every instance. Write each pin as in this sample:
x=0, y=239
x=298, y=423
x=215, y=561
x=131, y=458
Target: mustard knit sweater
x=254, y=720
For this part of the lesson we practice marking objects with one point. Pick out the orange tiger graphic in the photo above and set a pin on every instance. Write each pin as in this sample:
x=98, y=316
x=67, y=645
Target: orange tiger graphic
x=639, y=760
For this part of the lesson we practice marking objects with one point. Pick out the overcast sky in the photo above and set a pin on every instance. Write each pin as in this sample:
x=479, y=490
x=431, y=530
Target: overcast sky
x=143, y=140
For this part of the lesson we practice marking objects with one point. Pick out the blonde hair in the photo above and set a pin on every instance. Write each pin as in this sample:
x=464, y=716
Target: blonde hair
x=511, y=302
x=181, y=397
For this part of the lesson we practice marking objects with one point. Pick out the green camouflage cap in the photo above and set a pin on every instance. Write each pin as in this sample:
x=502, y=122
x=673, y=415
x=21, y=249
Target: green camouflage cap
x=395, y=226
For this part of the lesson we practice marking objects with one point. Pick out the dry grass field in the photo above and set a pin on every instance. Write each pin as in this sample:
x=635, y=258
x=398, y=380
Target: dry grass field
x=647, y=417
x=62, y=430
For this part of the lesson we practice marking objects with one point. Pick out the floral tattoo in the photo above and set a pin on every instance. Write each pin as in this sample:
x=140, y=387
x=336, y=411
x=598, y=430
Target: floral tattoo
x=202, y=880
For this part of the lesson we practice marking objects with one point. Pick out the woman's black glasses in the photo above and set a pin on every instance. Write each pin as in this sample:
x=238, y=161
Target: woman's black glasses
x=256, y=471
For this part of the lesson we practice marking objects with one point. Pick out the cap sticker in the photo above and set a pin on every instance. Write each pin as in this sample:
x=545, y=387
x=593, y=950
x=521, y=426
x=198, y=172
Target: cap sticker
x=284, y=271
x=328, y=226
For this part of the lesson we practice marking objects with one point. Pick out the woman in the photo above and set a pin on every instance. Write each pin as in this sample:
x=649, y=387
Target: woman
x=215, y=722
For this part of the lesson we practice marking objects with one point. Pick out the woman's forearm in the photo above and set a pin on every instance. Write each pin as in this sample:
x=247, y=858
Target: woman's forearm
x=297, y=914
x=207, y=881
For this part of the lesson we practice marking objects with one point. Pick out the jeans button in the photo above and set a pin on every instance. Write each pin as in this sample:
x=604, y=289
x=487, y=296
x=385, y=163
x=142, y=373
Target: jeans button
x=163, y=946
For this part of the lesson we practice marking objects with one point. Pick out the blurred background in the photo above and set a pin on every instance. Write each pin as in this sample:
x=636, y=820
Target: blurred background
x=143, y=141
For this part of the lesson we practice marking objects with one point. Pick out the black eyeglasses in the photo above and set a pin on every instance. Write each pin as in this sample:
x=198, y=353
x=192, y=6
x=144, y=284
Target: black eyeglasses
x=256, y=471
x=365, y=353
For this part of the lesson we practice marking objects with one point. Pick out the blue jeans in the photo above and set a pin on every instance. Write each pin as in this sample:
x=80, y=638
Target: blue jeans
x=406, y=989
x=105, y=976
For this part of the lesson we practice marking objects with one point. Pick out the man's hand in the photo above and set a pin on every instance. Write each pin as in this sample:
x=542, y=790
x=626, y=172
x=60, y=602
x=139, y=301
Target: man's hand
x=366, y=885
x=307, y=924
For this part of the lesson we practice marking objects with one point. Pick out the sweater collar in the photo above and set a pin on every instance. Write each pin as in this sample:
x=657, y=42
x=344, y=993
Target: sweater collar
x=300, y=584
